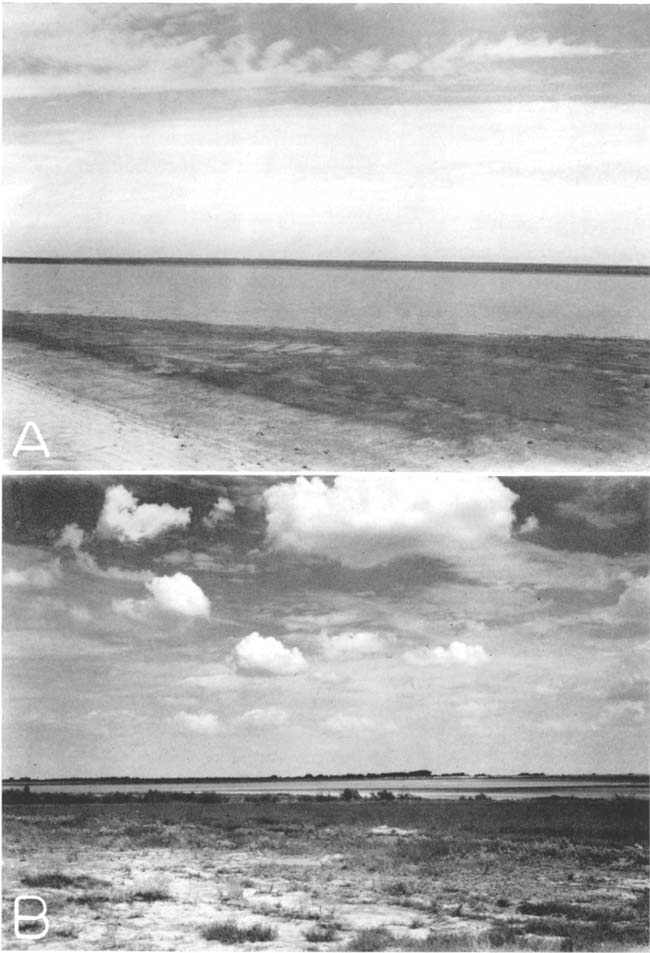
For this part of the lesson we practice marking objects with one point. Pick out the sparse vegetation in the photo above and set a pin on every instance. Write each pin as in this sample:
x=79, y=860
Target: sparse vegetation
x=513, y=875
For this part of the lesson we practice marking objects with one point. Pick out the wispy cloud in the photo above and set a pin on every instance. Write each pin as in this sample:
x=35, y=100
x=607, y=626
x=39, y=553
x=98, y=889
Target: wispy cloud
x=72, y=48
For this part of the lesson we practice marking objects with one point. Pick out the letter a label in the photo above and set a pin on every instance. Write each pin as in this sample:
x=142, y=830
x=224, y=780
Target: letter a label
x=30, y=918
x=23, y=447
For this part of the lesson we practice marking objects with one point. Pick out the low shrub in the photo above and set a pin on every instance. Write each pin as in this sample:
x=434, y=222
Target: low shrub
x=350, y=794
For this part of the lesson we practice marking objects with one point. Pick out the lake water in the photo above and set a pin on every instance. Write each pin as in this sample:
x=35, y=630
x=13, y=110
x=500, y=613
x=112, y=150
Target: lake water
x=339, y=299
x=438, y=788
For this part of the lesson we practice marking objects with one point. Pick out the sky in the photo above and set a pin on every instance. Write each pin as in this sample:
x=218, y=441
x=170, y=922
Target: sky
x=381, y=131
x=183, y=626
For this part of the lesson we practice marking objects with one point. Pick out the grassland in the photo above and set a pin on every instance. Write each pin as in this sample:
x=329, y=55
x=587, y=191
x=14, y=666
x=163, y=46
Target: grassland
x=331, y=874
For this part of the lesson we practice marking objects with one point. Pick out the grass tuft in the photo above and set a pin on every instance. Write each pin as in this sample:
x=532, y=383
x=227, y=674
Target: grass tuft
x=322, y=933
x=372, y=938
x=229, y=932
x=151, y=894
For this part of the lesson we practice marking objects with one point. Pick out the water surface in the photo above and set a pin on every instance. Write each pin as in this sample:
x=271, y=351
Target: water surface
x=438, y=788
x=339, y=299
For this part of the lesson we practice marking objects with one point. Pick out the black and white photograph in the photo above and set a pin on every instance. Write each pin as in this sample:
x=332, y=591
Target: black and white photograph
x=371, y=711
x=326, y=477
x=326, y=237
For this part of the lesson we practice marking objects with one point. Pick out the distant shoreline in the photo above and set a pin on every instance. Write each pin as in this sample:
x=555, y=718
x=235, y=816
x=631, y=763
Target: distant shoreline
x=629, y=778
x=367, y=264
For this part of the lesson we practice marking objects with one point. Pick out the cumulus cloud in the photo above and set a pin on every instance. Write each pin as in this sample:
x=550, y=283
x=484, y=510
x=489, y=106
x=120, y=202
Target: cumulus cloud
x=203, y=723
x=530, y=525
x=268, y=656
x=123, y=518
x=457, y=653
x=263, y=718
x=365, y=520
x=34, y=577
x=353, y=644
x=222, y=510
x=178, y=594
x=72, y=535
x=349, y=724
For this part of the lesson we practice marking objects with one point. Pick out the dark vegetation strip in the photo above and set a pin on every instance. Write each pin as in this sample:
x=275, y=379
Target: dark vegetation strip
x=445, y=825
x=429, y=384
x=526, y=267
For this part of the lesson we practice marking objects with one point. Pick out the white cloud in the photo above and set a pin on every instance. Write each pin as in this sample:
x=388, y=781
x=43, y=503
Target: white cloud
x=457, y=653
x=221, y=510
x=257, y=654
x=34, y=577
x=530, y=524
x=179, y=593
x=123, y=518
x=512, y=47
x=350, y=724
x=364, y=520
x=203, y=723
x=89, y=47
x=263, y=718
x=353, y=644
x=72, y=535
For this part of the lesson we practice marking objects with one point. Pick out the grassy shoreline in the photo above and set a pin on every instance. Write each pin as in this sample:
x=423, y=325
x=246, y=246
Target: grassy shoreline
x=353, y=399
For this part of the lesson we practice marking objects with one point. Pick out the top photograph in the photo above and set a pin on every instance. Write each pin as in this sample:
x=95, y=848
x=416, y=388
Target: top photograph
x=326, y=237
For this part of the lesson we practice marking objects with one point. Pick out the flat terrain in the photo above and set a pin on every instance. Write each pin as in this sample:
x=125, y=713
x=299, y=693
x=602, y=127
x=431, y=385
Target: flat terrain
x=135, y=394
x=312, y=874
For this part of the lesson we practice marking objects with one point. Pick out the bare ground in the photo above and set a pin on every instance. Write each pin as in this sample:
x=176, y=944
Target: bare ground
x=328, y=875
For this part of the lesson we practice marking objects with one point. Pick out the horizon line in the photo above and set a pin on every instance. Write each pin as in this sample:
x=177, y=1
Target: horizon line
x=369, y=776
x=396, y=264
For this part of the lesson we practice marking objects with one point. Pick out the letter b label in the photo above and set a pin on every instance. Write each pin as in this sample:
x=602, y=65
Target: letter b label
x=20, y=917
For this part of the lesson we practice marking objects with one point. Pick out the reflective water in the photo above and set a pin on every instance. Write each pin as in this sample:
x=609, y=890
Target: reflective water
x=341, y=299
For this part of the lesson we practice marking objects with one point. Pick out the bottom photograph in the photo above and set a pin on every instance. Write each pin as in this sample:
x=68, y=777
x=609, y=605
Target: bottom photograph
x=372, y=711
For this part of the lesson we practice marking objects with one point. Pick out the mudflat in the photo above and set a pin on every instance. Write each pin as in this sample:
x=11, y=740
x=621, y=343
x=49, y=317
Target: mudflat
x=165, y=393
x=305, y=873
